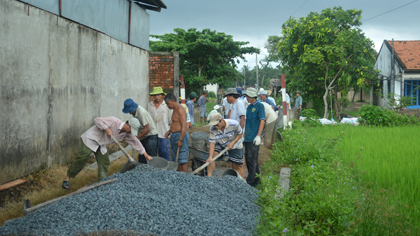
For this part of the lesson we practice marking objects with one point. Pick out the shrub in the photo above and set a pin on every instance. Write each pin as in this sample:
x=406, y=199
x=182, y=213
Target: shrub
x=377, y=116
x=308, y=113
x=212, y=94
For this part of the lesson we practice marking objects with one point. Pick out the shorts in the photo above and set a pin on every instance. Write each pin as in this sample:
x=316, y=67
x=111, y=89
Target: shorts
x=183, y=150
x=235, y=155
x=203, y=113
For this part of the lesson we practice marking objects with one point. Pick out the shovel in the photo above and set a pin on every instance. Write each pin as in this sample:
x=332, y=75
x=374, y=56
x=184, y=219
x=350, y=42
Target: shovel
x=208, y=163
x=174, y=165
x=130, y=164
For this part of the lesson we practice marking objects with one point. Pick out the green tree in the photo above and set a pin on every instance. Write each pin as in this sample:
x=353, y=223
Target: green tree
x=318, y=49
x=206, y=56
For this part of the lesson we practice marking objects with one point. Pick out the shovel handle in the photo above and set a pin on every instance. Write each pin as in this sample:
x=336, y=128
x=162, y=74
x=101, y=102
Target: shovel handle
x=177, y=154
x=122, y=149
x=208, y=163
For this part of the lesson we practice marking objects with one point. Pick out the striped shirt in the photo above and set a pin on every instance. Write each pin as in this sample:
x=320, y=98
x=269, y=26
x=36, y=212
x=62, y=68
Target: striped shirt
x=225, y=137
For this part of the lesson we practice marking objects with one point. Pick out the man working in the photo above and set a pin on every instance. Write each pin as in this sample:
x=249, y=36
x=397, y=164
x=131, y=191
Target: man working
x=263, y=96
x=225, y=133
x=148, y=135
x=254, y=125
x=190, y=105
x=178, y=132
x=270, y=128
x=161, y=115
x=238, y=109
x=95, y=140
x=202, y=107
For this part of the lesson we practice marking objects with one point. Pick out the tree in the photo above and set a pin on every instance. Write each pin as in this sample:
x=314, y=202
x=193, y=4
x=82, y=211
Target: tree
x=319, y=49
x=205, y=56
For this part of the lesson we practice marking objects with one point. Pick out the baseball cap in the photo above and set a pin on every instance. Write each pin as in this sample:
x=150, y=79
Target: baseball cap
x=214, y=118
x=135, y=125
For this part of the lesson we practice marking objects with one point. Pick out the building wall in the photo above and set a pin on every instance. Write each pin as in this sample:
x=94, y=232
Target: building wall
x=56, y=76
x=164, y=71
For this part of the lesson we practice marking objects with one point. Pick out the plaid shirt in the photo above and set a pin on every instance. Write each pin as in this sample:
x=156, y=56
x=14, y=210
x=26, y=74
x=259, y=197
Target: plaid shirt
x=232, y=129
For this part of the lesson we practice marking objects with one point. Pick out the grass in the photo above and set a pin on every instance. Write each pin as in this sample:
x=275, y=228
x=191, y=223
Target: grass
x=327, y=196
x=388, y=158
x=47, y=186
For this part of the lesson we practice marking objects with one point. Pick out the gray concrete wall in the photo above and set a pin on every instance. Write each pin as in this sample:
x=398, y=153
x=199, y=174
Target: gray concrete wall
x=55, y=77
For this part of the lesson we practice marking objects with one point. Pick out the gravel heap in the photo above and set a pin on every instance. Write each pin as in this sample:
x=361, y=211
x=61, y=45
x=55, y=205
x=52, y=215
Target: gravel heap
x=152, y=201
x=199, y=135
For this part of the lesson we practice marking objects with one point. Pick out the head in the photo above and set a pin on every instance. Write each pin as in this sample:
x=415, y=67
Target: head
x=131, y=125
x=263, y=95
x=170, y=101
x=157, y=94
x=251, y=95
x=297, y=93
x=130, y=107
x=232, y=95
x=205, y=93
x=193, y=96
x=217, y=121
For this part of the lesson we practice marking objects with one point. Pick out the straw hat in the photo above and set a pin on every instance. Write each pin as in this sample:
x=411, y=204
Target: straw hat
x=156, y=91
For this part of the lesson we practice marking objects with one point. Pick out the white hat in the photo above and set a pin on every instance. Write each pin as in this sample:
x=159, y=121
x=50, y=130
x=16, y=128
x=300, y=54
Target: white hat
x=135, y=125
x=216, y=107
x=214, y=118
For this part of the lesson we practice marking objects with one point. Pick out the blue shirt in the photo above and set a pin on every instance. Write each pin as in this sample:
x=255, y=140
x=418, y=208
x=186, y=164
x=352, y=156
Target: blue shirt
x=270, y=103
x=254, y=114
x=190, y=105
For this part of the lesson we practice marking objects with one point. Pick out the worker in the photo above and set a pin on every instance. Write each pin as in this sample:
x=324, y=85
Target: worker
x=270, y=98
x=255, y=120
x=148, y=135
x=202, y=107
x=263, y=97
x=226, y=107
x=269, y=125
x=161, y=115
x=178, y=132
x=190, y=104
x=225, y=133
x=238, y=109
x=95, y=140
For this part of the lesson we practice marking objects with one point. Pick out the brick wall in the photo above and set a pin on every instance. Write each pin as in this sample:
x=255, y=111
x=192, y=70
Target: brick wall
x=164, y=71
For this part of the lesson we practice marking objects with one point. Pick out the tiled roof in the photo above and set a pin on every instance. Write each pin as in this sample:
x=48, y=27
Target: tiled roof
x=407, y=53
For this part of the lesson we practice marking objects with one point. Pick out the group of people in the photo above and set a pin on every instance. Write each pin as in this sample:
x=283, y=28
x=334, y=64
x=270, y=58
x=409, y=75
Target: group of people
x=147, y=131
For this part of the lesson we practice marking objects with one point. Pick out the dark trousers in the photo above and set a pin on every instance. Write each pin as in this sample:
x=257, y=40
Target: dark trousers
x=251, y=158
x=150, y=144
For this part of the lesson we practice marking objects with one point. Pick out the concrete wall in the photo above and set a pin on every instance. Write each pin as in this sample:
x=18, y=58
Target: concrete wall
x=55, y=77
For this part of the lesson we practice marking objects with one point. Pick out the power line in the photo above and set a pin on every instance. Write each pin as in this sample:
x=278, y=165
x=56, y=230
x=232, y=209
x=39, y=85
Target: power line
x=293, y=14
x=390, y=10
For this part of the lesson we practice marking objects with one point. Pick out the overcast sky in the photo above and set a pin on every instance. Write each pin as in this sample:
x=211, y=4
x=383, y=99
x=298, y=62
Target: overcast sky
x=255, y=20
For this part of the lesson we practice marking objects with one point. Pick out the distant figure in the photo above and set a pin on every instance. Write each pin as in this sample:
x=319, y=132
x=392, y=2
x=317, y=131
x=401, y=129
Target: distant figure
x=238, y=110
x=148, y=135
x=215, y=110
x=270, y=128
x=226, y=107
x=95, y=140
x=161, y=115
x=298, y=101
x=263, y=96
x=178, y=132
x=202, y=107
x=190, y=104
x=271, y=98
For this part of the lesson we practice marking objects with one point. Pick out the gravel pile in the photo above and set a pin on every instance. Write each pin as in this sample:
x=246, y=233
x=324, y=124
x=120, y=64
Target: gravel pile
x=199, y=135
x=149, y=200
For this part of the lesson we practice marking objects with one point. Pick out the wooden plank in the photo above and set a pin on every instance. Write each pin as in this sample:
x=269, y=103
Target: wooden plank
x=84, y=189
x=12, y=184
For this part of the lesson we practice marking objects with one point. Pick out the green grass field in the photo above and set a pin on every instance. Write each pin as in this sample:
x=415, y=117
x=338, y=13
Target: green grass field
x=387, y=158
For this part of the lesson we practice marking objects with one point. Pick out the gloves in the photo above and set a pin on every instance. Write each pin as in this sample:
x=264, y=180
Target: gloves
x=257, y=141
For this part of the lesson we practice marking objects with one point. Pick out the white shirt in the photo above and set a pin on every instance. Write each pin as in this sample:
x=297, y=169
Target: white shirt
x=161, y=116
x=238, y=109
x=270, y=114
x=226, y=105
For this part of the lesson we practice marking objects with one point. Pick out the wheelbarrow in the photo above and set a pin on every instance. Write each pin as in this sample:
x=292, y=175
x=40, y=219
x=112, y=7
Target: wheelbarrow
x=199, y=158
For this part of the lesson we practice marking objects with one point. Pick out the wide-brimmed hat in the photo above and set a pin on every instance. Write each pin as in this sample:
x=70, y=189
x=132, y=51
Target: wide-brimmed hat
x=251, y=92
x=231, y=91
x=156, y=91
x=135, y=125
x=216, y=107
x=129, y=106
x=214, y=118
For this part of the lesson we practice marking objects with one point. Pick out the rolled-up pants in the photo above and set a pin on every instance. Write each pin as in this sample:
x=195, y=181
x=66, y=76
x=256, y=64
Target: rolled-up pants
x=251, y=159
x=150, y=145
x=83, y=156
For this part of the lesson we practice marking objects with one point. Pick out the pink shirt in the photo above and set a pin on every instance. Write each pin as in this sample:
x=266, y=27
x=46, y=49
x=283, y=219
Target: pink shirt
x=96, y=136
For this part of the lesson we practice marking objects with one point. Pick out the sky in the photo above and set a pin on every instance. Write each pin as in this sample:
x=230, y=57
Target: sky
x=254, y=20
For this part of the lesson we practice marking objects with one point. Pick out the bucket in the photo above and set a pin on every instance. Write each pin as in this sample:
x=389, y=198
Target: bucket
x=232, y=172
x=158, y=163
x=172, y=165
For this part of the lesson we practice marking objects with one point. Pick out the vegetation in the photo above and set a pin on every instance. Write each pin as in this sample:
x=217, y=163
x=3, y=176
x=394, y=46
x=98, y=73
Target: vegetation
x=205, y=56
x=325, y=53
x=327, y=196
x=377, y=116
x=211, y=94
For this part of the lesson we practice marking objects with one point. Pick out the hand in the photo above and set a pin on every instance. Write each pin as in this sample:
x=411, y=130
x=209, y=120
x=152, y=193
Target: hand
x=167, y=134
x=257, y=141
x=230, y=146
x=179, y=144
x=210, y=160
x=108, y=132
x=148, y=157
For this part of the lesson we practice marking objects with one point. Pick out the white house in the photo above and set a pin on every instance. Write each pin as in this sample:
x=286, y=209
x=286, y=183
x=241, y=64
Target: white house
x=399, y=71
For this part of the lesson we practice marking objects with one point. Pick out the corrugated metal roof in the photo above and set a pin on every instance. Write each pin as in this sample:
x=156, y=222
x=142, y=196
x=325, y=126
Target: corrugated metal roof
x=153, y=5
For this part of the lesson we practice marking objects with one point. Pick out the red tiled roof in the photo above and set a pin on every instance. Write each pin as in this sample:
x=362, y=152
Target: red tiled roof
x=408, y=53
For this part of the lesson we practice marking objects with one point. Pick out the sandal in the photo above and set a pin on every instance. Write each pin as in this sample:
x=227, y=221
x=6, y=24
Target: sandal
x=66, y=185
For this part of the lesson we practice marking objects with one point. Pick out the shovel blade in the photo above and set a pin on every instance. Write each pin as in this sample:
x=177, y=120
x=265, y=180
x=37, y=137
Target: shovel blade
x=128, y=166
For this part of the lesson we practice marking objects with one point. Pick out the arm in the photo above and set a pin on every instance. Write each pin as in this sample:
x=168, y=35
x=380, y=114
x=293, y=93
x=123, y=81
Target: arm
x=211, y=151
x=100, y=123
x=242, y=123
x=135, y=143
x=232, y=144
x=229, y=114
x=145, y=130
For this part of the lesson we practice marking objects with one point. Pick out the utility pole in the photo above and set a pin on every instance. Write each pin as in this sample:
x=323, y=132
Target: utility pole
x=256, y=67
x=244, y=77
x=393, y=70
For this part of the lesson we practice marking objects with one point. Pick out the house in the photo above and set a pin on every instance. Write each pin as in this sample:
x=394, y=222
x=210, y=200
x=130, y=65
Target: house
x=399, y=65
